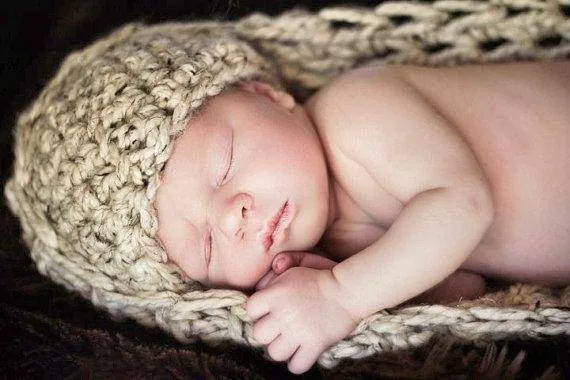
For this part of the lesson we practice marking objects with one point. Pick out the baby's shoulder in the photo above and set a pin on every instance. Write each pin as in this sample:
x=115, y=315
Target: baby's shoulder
x=340, y=107
x=351, y=115
x=362, y=109
x=344, y=95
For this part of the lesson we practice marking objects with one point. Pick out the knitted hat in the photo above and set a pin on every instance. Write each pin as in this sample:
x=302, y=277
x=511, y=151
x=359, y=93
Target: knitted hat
x=90, y=149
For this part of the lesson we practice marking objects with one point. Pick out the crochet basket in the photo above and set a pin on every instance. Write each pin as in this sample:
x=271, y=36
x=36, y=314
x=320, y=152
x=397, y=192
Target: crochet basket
x=309, y=49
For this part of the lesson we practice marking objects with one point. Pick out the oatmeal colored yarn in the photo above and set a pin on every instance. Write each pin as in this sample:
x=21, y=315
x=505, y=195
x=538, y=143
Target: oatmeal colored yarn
x=90, y=149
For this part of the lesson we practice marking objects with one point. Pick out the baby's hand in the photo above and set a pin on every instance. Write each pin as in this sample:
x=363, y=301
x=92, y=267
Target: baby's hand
x=300, y=315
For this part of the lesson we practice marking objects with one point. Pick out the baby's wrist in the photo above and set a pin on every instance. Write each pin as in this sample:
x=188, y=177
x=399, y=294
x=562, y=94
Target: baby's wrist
x=333, y=290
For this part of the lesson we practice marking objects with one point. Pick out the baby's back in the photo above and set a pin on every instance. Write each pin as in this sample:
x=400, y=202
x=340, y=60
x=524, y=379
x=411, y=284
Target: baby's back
x=516, y=120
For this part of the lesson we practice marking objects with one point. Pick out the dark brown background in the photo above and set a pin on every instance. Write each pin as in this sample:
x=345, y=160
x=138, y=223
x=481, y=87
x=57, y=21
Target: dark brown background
x=46, y=332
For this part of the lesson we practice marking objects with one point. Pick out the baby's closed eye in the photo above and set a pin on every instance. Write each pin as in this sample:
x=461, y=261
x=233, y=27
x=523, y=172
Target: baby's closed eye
x=228, y=163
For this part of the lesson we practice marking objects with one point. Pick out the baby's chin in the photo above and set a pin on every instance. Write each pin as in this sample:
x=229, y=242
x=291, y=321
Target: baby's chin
x=247, y=284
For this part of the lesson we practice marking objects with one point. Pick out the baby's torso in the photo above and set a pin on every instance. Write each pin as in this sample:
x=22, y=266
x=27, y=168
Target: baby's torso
x=516, y=120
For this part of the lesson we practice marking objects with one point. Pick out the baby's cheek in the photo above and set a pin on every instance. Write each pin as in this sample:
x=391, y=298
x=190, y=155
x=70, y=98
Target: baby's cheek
x=247, y=274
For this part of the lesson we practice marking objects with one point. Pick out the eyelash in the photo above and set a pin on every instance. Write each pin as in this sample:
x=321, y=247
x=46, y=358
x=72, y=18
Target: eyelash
x=209, y=249
x=230, y=165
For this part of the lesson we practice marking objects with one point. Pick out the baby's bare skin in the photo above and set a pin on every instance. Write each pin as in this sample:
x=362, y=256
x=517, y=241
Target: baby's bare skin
x=516, y=120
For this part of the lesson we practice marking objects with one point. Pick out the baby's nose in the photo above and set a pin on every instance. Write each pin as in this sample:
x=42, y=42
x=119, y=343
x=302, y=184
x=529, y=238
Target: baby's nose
x=233, y=215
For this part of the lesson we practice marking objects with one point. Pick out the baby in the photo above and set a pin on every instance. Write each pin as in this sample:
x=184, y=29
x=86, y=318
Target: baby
x=415, y=182
x=164, y=154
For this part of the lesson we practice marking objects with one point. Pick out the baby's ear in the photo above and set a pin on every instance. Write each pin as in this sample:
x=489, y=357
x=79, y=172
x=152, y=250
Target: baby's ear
x=282, y=98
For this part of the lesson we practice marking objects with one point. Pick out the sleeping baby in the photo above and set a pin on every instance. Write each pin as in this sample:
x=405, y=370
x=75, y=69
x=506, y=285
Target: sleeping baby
x=163, y=161
x=390, y=184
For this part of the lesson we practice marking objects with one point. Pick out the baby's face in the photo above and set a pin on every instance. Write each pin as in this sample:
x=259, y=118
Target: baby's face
x=245, y=181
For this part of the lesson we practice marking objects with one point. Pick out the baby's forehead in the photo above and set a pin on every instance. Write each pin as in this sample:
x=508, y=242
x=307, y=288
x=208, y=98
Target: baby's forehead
x=234, y=96
x=218, y=109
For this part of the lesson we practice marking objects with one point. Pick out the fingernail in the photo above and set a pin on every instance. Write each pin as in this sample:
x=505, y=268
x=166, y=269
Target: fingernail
x=279, y=263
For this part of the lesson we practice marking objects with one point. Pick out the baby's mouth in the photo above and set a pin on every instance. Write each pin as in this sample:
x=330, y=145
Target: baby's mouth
x=276, y=226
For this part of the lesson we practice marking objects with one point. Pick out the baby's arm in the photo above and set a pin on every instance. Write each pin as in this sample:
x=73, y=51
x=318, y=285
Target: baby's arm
x=383, y=127
x=414, y=153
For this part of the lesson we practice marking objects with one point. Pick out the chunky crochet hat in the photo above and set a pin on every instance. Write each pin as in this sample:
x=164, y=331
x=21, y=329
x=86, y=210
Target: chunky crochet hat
x=89, y=152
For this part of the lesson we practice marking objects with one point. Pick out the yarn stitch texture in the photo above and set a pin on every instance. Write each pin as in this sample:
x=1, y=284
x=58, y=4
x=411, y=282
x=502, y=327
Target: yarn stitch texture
x=90, y=149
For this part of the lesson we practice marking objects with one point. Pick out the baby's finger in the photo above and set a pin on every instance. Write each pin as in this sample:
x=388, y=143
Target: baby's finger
x=281, y=349
x=265, y=330
x=257, y=305
x=317, y=262
x=265, y=280
x=283, y=261
x=303, y=359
